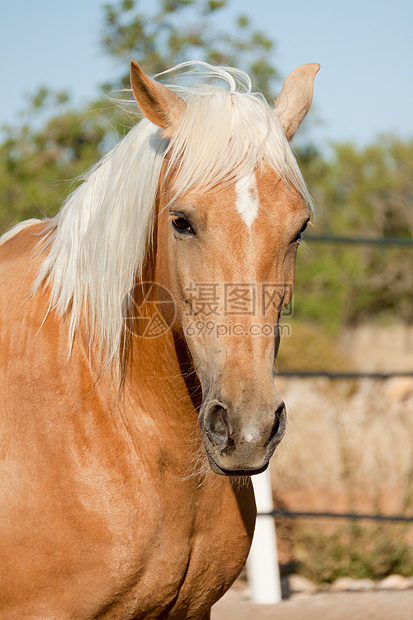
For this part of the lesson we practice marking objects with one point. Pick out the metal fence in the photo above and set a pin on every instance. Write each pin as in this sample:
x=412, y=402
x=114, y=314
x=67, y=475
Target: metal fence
x=379, y=241
x=351, y=516
x=304, y=374
x=263, y=576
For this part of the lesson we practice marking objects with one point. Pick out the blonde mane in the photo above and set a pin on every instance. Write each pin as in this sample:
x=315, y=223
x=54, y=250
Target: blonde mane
x=95, y=247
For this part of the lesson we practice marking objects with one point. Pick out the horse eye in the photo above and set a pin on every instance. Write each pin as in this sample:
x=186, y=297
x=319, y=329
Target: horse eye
x=181, y=224
x=300, y=234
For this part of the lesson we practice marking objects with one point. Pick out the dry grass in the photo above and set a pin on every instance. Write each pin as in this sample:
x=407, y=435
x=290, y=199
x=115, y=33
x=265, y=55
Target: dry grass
x=348, y=447
x=306, y=346
x=349, y=439
x=357, y=550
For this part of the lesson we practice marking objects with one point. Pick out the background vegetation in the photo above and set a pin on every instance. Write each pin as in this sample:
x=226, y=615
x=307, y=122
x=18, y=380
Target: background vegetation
x=359, y=193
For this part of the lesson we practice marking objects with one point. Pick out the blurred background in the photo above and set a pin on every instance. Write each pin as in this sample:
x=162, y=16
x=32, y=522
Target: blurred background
x=345, y=365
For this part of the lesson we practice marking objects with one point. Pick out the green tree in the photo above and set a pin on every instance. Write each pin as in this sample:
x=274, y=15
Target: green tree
x=186, y=30
x=37, y=165
x=364, y=192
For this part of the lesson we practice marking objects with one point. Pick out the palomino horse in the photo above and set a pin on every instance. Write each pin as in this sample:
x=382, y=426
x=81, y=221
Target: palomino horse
x=138, y=335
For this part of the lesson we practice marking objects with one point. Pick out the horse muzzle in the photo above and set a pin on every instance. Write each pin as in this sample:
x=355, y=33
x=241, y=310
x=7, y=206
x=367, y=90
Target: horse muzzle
x=238, y=442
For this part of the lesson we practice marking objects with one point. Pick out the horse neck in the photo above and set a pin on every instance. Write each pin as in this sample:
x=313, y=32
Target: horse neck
x=160, y=370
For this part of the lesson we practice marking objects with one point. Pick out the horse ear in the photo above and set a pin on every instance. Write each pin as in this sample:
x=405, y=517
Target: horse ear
x=294, y=101
x=157, y=102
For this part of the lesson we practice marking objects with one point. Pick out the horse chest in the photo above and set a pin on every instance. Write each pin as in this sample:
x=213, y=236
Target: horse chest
x=192, y=551
x=137, y=548
x=145, y=557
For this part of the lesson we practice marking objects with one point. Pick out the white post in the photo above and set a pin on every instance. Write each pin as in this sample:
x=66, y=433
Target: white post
x=262, y=565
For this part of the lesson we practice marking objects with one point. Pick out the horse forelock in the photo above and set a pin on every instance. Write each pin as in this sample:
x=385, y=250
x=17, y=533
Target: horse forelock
x=98, y=242
x=224, y=136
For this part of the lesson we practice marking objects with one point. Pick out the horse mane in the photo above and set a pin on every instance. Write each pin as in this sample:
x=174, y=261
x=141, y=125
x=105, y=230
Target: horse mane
x=95, y=247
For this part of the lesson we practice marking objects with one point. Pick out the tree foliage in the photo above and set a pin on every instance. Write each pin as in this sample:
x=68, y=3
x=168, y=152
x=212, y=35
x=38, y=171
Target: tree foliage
x=359, y=193
x=37, y=165
x=185, y=30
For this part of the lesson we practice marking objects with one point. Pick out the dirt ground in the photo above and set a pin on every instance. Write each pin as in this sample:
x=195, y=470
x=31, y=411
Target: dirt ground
x=378, y=605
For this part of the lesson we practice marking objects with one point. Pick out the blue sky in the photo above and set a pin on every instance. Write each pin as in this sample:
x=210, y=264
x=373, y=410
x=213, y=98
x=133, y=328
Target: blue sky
x=365, y=48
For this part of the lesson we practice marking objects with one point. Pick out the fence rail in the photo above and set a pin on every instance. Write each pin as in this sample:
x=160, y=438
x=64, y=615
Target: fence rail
x=264, y=513
x=380, y=241
x=310, y=374
x=335, y=515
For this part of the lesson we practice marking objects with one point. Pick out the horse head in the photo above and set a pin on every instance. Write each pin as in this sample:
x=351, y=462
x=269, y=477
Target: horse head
x=228, y=251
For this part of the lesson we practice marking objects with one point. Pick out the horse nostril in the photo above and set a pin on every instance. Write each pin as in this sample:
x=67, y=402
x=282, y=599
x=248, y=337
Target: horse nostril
x=279, y=425
x=216, y=425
